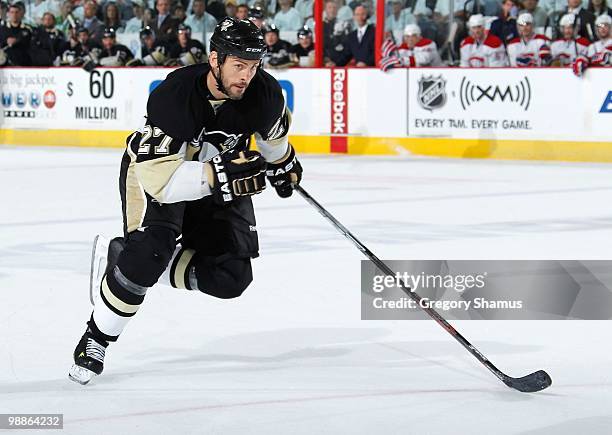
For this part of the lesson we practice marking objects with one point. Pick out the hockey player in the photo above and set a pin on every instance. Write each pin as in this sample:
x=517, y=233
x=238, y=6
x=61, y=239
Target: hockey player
x=482, y=50
x=113, y=54
x=416, y=50
x=188, y=173
x=302, y=53
x=529, y=49
x=564, y=51
x=187, y=51
x=278, y=50
x=152, y=51
x=599, y=52
x=78, y=48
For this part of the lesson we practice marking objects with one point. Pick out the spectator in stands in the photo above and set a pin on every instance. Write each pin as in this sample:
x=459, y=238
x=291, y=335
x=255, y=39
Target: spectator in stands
x=599, y=7
x=504, y=27
x=36, y=11
x=565, y=50
x=305, y=9
x=359, y=44
x=126, y=10
x=256, y=15
x=134, y=24
x=600, y=51
x=65, y=20
x=585, y=20
x=164, y=25
x=529, y=49
x=148, y=17
x=334, y=32
x=187, y=51
x=277, y=55
x=200, y=21
x=416, y=50
x=399, y=18
x=179, y=13
x=540, y=17
x=78, y=46
x=242, y=12
x=288, y=18
x=482, y=50
x=302, y=53
x=47, y=42
x=230, y=8
x=112, y=18
x=94, y=26
x=16, y=36
x=113, y=54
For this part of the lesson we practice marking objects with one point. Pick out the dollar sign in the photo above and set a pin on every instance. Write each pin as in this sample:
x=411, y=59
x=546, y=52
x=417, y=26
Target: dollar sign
x=70, y=91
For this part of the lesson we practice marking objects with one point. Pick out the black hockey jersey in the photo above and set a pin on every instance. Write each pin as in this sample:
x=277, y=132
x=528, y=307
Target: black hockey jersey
x=185, y=124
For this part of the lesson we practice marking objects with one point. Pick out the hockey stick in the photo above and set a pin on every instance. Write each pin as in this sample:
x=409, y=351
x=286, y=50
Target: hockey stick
x=527, y=384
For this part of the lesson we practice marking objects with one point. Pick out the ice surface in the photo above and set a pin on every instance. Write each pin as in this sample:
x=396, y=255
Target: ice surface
x=292, y=355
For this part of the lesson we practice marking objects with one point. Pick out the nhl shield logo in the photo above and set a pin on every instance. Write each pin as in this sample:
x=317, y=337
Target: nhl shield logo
x=432, y=92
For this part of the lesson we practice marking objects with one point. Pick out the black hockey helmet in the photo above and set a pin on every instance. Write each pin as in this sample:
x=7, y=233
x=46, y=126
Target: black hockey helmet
x=146, y=31
x=240, y=38
x=109, y=32
x=256, y=13
x=270, y=28
x=184, y=28
x=304, y=32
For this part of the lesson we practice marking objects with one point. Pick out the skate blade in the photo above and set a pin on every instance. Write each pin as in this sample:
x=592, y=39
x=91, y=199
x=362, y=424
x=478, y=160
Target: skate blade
x=80, y=375
x=98, y=266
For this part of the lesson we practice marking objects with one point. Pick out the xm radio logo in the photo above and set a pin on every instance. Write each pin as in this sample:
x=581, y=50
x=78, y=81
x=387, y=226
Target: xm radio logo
x=512, y=94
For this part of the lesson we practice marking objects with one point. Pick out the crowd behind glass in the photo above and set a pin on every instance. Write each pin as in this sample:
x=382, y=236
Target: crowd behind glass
x=466, y=33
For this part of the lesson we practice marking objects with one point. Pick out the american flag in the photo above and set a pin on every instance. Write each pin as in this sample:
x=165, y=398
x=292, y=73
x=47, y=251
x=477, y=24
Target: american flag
x=389, y=55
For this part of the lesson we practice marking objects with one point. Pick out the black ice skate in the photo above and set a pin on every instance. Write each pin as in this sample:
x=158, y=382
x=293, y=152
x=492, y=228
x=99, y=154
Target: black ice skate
x=104, y=257
x=88, y=359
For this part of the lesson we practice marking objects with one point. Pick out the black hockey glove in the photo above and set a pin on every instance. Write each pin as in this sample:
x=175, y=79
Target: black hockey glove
x=282, y=175
x=231, y=175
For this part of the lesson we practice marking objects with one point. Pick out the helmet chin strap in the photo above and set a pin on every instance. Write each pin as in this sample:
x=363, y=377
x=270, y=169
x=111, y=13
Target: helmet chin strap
x=218, y=78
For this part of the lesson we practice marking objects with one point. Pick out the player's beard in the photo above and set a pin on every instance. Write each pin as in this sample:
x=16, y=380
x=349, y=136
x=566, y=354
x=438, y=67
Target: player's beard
x=230, y=88
x=234, y=92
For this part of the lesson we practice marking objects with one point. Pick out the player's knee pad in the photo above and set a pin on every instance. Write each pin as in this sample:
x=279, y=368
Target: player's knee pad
x=225, y=280
x=146, y=255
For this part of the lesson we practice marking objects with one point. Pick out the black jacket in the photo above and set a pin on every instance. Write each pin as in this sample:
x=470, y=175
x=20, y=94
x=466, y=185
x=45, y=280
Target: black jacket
x=19, y=53
x=504, y=29
x=359, y=51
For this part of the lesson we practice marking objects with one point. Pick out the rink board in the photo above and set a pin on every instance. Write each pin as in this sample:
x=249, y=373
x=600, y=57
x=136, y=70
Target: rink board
x=541, y=114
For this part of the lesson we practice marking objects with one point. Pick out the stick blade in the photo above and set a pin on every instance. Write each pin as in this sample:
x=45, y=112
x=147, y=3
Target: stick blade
x=531, y=383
